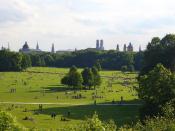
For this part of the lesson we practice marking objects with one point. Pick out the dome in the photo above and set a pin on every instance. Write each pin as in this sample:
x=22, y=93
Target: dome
x=25, y=46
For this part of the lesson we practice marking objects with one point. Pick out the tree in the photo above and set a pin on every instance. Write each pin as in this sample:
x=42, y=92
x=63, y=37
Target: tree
x=8, y=122
x=138, y=60
x=95, y=124
x=26, y=61
x=65, y=80
x=12, y=61
x=154, y=42
x=73, y=78
x=156, y=89
x=49, y=60
x=96, y=76
x=159, y=51
x=88, y=77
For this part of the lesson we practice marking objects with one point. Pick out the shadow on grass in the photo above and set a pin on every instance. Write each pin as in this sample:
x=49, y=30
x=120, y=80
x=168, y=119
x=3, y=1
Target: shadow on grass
x=52, y=89
x=55, y=88
x=120, y=114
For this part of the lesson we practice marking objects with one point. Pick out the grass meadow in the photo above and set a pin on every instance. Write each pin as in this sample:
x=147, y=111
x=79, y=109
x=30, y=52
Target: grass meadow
x=42, y=85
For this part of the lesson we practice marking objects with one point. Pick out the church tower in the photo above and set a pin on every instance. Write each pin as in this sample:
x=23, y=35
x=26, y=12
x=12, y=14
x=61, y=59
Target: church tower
x=117, y=47
x=140, y=49
x=124, y=48
x=97, y=44
x=8, y=46
x=37, y=46
x=53, y=48
x=130, y=47
x=101, y=45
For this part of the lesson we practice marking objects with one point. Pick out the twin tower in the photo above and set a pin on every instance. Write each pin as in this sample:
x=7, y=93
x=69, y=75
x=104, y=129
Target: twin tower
x=99, y=45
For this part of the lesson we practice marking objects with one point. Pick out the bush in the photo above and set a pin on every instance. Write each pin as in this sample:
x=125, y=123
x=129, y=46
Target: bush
x=8, y=122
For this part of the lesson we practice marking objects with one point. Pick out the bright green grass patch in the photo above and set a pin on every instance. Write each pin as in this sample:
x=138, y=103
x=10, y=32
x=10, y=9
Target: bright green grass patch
x=46, y=87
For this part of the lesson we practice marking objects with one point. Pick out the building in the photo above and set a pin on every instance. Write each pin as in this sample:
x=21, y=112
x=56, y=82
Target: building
x=124, y=48
x=65, y=51
x=26, y=49
x=53, y=48
x=140, y=49
x=99, y=45
x=117, y=48
x=130, y=47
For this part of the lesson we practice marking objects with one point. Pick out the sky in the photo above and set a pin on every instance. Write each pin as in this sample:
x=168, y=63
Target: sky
x=71, y=24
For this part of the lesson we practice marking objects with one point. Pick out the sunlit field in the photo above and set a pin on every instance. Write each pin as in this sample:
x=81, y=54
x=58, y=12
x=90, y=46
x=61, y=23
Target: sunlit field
x=42, y=86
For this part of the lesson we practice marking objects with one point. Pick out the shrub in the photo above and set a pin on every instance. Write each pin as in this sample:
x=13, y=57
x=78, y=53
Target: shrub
x=8, y=122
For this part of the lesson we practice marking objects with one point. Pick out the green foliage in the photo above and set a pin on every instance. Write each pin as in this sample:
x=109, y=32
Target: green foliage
x=97, y=65
x=112, y=60
x=11, y=61
x=88, y=77
x=138, y=60
x=97, y=78
x=158, y=123
x=154, y=42
x=49, y=60
x=26, y=61
x=95, y=124
x=160, y=51
x=73, y=78
x=156, y=89
x=8, y=122
x=168, y=110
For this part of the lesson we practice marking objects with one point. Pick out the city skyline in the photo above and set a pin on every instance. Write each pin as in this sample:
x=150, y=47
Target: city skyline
x=99, y=45
x=71, y=24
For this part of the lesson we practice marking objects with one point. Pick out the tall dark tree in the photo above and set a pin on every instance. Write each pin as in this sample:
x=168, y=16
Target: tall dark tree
x=96, y=76
x=88, y=77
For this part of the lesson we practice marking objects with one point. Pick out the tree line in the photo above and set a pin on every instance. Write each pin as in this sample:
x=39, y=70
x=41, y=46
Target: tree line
x=110, y=60
x=12, y=61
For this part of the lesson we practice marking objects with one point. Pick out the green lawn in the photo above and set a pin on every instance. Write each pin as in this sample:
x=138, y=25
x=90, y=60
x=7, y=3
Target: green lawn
x=45, y=87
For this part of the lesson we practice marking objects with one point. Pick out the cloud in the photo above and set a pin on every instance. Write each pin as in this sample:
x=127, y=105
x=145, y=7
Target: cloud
x=73, y=22
x=13, y=11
